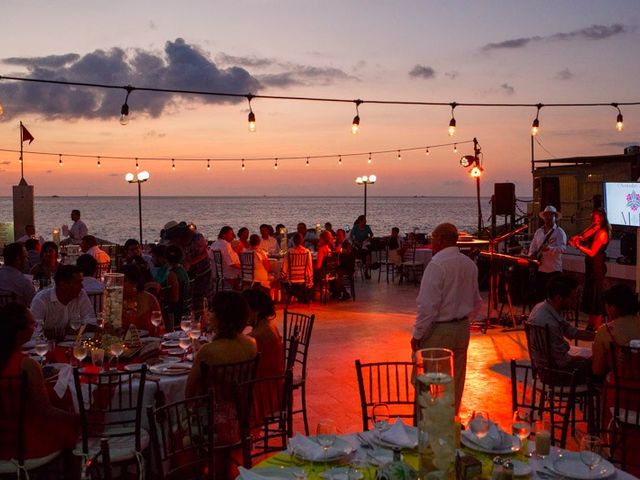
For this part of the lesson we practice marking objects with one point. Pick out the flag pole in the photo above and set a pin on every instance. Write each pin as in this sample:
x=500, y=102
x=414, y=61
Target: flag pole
x=21, y=159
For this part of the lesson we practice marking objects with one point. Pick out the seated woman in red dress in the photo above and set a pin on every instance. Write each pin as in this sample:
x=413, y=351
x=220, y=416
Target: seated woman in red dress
x=46, y=429
x=137, y=303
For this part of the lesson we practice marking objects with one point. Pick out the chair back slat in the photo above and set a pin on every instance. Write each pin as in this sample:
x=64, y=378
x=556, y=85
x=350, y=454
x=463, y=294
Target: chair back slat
x=246, y=266
x=217, y=264
x=222, y=378
x=386, y=382
x=625, y=361
x=300, y=325
x=539, y=345
x=297, y=267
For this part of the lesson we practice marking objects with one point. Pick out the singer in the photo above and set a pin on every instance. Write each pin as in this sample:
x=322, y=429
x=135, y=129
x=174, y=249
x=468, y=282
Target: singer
x=593, y=243
x=548, y=244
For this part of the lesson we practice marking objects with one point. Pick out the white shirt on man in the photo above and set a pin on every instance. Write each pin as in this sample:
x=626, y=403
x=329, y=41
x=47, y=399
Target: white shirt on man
x=92, y=285
x=14, y=281
x=78, y=230
x=269, y=245
x=55, y=315
x=551, y=259
x=260, y=273
x=100, y=255
x=449, y=290
x=229, y=258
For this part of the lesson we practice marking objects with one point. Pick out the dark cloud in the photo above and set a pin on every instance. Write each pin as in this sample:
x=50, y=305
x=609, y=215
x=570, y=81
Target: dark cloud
x=182, y=66
x=451, y=75
x=507, y=89
x=250, y=61
x=422, y=71
x=565, y=74
x=594, y=32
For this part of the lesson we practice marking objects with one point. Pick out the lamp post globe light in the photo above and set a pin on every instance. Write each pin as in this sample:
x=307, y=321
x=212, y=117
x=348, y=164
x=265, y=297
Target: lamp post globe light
x=366, y=180
x=140, y=178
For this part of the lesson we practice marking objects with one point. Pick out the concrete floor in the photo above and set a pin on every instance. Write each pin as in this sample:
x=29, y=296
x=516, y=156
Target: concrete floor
x=377, y=327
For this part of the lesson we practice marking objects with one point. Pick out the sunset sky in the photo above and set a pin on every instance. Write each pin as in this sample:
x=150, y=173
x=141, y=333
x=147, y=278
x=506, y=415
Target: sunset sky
x=481, y=51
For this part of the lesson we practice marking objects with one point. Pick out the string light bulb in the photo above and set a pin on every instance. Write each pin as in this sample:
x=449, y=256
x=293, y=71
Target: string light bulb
x=455, y=148
x=307, y=161
x=137, y=164
x=427, y=152
x=452, y=122
x=355, y=124
x=399, y=155
x=173, y=165
x=124, y=110
x=59, y=160
x=535, y=126
x=99, y=164
x=252, y=116
x=208, y=165
x=243, y=164
x=340, y=160
x=476, y=172
x=619, y=118
x=369, y=161
x=275, y=165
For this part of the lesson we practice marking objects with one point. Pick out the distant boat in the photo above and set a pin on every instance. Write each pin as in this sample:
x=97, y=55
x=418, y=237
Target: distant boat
x=55, y=196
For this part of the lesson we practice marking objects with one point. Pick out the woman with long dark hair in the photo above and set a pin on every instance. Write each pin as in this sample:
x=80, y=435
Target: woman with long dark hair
x=593, y=243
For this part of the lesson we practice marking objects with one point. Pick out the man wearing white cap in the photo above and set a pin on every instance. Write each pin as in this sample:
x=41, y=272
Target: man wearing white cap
x=548, y=244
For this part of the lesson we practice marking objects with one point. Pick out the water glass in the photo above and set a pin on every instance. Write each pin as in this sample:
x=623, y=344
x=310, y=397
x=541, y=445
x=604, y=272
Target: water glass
x=116, y=350
x=42, y=347
x=184, y=343
x=380, y=415
x=521, y=426
x=543, y=438
x=185, y=323
x=156, y=318
x=590, y=451
x=75, y=322
x=80, y=352
x=97, y=357
x=326, y=435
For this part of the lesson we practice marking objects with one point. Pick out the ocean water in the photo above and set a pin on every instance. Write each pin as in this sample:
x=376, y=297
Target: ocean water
x=116, y=218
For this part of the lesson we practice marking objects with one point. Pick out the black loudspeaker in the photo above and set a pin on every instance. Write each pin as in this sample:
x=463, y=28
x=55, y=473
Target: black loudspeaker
x=504, y=198
x=628, y=247
x=550, y=192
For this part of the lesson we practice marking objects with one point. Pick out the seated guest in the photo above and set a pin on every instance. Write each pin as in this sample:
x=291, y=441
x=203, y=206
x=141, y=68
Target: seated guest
x=261, y=264
x=137, y=304
x=89, y=245
x=621, y=307
x=395, y=244
x=341, y=236
x=132, y=249
x=12, y=280
x=268, y=242
x=89, y=268
x=562, y=293
x=230, y=259
x=309, y=236
x=325, y=248
x=361, y=236
x=279, y=234
x=57, y=305
x=299, y=248
x=29, y=232
x=199, y=268
x=329, y=228
x=168, y=282
x=262, y=314
x=46, y=429
x=242, y=243
x=33, y=253
x=174, y=257
x=46, y=269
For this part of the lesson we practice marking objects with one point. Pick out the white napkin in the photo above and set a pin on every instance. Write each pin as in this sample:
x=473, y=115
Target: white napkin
x=634, y=343
x=309, y=449
x=174, y=335
x=284, y=472
x=400, y=435
x=495, y=439
x=65, y=379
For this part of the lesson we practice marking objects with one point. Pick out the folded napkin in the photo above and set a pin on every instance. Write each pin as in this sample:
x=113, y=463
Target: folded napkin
x=309, y=449
x=271, y=473
x=495, y=439
x=634, y=343
x=65, y=379
x=400, y=435
x=173, y=335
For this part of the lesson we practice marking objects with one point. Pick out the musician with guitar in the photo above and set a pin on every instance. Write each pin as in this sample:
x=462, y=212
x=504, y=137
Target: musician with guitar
x=548, y=244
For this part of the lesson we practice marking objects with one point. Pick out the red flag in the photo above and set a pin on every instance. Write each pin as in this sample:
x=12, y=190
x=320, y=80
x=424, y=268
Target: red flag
x=26, y=135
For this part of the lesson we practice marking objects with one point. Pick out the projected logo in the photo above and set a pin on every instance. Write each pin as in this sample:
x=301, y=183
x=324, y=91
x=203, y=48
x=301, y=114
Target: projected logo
x=633, y=200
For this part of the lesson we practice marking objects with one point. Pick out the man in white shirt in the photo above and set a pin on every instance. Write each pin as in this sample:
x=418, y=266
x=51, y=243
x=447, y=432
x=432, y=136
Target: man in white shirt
x=447, y=301
x=30, y=232
x=548, y=244
x=230, y=259
x=89, y=245
x=12, y=280
x=77, y=230
x=89, y=268
x=267, y=242
x=56, y=306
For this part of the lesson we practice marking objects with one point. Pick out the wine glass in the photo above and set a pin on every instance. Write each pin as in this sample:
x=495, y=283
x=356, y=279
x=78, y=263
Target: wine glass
x=97, y=357
x=521, y=426
x=480, y=424
x=184, y=343
x=590, y=449
x=380, y=415
x=116, y=349
x=156, y=319
x=326, y=435
x=194, y=333
x=185, y=324
x=80, y=352
x=75, y=322
x=42, y=347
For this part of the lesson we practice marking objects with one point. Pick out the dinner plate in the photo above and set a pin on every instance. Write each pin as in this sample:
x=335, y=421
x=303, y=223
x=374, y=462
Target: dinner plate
x=171, y=368
x=341, y=448
x=516, y=445
x=175, y=351
x=133, y=367
x=150, y=339
x=170, y=343
x=520, y=468
x=412, y=433
x=341, y=472
x=569, y=465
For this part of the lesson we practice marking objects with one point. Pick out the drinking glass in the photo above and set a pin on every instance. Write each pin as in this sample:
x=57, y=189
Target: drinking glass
x=521, y=426
x=326, y=435
x=184, y=343
x=42, y=347
x=185, y=323
x=97, y=357
x=194, y=333
x=156, y=319
x=380, y=415
x=543, y=438
x=480, y=424
x=80, y=352
x=590, y=449
x=116, y=350
x=75, y=322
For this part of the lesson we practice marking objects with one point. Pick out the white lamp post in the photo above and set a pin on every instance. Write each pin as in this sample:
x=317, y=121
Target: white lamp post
x=366, y=180
x=140, y=178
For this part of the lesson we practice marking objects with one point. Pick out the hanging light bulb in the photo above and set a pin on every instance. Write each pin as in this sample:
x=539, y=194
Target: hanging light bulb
x=124, y=111
x=426, y=152
x=369, y=161
x=355, y=124
x=340, y=160
x=399, y=156
x=60, y=160
x=252, y=116
x=476, y=172
x=243, y=164
x=173, y=165
x=99, y=165
x=307, y=161
x=208, y=165
x=535, y=126
x=137, y=165
x=452, y=122
x=455, y=148
x=275, y=165
x=619, y=118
